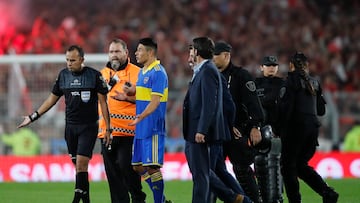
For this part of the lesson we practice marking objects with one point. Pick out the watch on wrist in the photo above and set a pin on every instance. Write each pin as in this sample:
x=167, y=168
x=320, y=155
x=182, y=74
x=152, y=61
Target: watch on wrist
x=109, y=130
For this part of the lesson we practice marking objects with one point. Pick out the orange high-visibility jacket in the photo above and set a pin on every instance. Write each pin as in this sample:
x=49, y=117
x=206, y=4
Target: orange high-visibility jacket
x=121, y=112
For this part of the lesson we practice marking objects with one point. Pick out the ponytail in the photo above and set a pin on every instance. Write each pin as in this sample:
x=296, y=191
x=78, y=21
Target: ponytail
x=305, y=76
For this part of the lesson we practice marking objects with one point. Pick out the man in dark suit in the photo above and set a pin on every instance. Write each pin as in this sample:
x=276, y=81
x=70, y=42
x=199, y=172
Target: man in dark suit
x=204, y=128
x=202, y=116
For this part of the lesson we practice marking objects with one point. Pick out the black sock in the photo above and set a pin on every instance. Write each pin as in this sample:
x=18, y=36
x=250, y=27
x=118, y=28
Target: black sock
x=82, y=188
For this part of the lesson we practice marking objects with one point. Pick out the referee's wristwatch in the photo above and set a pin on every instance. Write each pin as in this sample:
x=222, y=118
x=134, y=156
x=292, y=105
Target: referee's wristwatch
x=110, y=130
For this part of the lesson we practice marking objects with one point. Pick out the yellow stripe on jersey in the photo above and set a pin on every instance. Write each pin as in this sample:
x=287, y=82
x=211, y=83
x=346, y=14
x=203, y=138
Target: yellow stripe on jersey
x=154, y=65
x=155, y=146
x=144, y=94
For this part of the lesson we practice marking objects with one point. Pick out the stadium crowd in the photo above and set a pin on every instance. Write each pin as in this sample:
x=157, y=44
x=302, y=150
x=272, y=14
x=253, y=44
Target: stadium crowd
x=325, y=30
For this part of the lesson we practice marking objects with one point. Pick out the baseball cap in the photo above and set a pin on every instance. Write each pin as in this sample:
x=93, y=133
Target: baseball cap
x=222, y=47
x=270, y=60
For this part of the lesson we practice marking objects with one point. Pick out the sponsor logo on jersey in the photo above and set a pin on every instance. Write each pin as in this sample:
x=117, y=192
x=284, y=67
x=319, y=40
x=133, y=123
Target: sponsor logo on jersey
x=76, y=82
x=75, y=93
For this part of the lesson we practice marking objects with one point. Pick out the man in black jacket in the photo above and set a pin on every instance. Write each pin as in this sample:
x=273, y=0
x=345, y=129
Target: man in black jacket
x=248, y=119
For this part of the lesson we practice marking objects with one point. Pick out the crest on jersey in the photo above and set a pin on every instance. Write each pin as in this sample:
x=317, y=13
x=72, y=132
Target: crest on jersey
x=282, y=92
x=85, y=96
x=146, y=79
x=251, y=86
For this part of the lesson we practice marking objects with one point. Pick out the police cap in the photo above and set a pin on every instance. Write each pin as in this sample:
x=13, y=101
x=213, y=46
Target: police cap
x=270, y=60
x=222, y=47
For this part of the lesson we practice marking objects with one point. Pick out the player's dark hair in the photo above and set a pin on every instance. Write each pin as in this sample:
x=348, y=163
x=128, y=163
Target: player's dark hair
x=149, y=43
x=205, y=47
x=78, y=48
x=300, y=62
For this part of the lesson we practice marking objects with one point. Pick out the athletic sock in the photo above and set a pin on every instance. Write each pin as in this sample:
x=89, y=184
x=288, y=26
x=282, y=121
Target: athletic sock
x=157, y=187
x=146, y=177
x=82, y=188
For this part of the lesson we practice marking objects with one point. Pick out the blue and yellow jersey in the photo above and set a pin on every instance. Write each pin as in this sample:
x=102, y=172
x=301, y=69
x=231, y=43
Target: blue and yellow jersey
x=152, y=81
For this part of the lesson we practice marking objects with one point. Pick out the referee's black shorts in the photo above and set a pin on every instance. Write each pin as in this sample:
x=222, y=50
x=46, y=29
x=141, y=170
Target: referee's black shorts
x=81, y=139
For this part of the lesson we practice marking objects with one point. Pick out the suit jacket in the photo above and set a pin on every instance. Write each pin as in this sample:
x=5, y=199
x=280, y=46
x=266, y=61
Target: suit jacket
x=229, y=110
x=203, y=106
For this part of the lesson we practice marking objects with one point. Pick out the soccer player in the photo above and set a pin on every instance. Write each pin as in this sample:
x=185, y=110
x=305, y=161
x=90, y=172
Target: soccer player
x=151, y=98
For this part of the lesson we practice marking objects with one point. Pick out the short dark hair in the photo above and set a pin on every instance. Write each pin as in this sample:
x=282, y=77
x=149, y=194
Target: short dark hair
x=148, y=42
x=119, y=41
x=78, y=48
x=205, y=47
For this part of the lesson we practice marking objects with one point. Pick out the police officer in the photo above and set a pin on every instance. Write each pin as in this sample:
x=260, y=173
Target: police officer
x=267, y=162
x=249, y=117
x=301, y=101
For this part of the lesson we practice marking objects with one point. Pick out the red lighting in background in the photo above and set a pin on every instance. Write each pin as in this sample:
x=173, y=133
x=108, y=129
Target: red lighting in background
x=13, y=16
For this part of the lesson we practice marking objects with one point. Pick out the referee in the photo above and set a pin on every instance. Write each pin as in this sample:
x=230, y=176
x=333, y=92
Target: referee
x=82, y=87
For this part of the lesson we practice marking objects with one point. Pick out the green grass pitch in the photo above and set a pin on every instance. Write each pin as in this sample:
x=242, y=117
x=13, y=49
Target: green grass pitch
x=177, y=191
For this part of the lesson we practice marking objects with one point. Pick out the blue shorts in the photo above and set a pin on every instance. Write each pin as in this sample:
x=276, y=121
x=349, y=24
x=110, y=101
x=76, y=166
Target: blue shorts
x=149, y=151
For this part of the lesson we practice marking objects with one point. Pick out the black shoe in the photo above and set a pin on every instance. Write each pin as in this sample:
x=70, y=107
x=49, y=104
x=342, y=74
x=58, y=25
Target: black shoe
x=330, y=196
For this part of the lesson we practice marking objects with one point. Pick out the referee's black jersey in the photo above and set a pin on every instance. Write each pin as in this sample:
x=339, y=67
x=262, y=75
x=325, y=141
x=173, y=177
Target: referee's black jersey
x=80, y=90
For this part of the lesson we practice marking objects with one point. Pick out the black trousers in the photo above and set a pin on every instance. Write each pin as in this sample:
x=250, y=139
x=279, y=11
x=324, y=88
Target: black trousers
x=298, y=147
x=241, y=156
x=122, y=179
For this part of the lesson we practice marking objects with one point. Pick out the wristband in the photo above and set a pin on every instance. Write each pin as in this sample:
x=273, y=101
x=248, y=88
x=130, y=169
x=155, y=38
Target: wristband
x=34, y=116
x=109, y=130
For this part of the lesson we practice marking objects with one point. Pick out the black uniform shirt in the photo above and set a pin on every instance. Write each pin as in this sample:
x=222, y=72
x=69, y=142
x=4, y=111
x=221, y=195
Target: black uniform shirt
x=80, y=91
x=242, y=87
x=268, y=90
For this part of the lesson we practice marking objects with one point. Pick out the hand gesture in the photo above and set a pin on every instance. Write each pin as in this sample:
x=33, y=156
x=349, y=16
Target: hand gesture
x=136, y=121
x=120, y=96
x=25, y=122
x=129, y=89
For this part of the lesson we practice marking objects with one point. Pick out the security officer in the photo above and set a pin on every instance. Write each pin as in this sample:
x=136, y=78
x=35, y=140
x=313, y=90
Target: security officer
x=301, y=101
x=122, y=179
x=249, y=117
x=267, y=162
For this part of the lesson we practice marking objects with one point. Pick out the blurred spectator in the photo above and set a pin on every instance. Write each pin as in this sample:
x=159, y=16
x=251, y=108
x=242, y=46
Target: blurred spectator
x=352, y=139
x=23, y=142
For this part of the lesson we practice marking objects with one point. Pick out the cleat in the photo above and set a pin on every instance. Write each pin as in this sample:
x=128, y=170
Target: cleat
x=330, y=196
